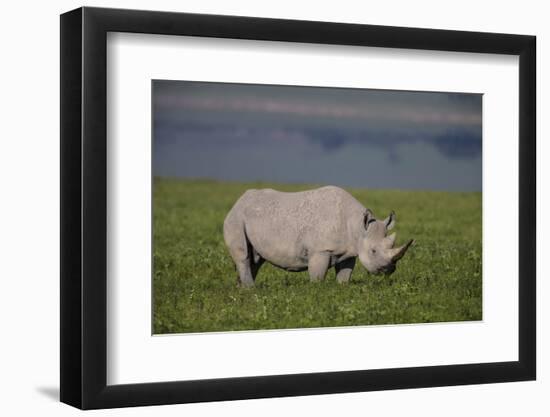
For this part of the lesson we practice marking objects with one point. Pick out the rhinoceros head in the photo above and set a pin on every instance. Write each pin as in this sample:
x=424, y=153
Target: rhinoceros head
x=376, y=249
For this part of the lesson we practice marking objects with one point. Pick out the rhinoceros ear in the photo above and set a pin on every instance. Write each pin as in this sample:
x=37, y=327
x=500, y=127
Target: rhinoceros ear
x=369, y=218
x=390, y=221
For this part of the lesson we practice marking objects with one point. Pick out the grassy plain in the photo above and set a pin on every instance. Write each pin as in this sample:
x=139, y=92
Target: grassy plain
x=194, y=281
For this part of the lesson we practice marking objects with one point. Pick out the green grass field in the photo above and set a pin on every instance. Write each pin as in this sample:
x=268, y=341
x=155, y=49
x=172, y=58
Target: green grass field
x=194, y=281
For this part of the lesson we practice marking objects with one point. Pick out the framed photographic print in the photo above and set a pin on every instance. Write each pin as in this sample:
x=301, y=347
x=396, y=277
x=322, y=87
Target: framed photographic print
x=257, y=207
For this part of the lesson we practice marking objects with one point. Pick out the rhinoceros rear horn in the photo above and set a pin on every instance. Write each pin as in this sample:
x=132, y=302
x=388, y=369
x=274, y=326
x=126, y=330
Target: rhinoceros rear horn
x=398, y=253
x=390, y=241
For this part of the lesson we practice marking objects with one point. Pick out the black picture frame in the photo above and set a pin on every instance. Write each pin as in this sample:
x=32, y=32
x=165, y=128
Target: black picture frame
x=84, y=207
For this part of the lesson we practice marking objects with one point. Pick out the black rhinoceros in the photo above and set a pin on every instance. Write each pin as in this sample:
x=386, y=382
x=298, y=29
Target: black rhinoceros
x=314, y=230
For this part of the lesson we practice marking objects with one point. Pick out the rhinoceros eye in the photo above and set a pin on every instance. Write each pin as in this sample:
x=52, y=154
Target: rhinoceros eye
x=373, y=250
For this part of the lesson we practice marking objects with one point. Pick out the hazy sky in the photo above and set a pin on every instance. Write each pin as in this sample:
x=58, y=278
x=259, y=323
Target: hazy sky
x=347, y=137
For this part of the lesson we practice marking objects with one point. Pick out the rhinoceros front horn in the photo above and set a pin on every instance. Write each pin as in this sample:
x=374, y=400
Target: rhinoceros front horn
x=398, y=253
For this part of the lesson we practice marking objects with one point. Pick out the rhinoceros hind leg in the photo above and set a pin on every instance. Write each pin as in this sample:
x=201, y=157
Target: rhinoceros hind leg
x=318, y=265
x=344, y=270
x=239, y=249
x=245, y=273
x=255, y=263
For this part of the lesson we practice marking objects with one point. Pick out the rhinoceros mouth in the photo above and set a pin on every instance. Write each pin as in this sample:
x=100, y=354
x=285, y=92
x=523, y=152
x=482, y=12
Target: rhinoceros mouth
x=388, y=270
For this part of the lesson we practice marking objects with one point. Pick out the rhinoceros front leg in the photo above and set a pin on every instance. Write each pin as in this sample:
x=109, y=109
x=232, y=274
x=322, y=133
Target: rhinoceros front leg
x=344, y=270
x=318, y=265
